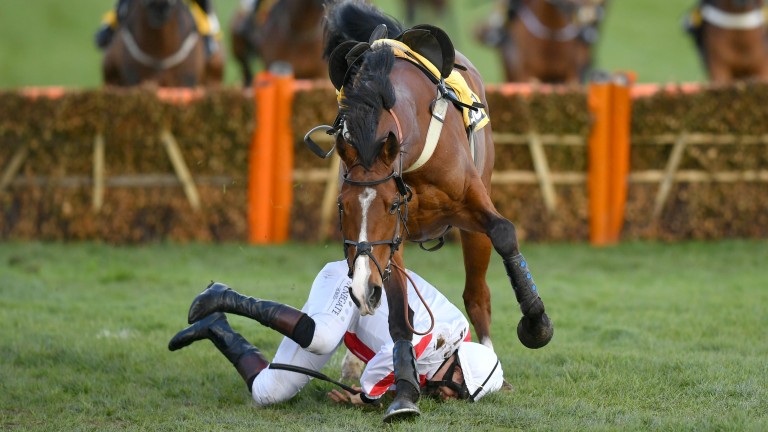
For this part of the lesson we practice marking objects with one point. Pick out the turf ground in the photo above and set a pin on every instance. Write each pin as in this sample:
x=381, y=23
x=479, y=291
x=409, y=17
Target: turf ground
x=50, y=42
x=648, y=336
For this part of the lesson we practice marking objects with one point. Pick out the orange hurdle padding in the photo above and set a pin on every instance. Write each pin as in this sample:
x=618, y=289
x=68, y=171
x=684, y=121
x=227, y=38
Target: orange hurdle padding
x=260, y=161
x=621, y=107
x=599, y=103
x=282, y=158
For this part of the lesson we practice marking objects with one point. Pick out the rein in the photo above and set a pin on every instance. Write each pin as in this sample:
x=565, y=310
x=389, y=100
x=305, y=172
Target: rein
x=424, y=302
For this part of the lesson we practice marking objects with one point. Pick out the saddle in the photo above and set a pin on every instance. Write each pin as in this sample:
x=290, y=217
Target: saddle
x=426, y=46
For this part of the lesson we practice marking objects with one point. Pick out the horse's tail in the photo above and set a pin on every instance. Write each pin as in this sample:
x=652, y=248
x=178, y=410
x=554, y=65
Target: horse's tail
x=354, y=20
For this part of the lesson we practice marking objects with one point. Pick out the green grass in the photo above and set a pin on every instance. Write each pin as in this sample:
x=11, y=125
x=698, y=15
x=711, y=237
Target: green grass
x=50, y=42
x=649, y=336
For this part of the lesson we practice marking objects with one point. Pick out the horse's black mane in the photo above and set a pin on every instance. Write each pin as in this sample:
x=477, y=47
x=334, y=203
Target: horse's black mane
x=370, y=90
x=354, y=20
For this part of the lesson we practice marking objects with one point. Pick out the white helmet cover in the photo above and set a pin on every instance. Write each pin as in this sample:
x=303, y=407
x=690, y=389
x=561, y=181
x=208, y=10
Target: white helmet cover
x=481, y=369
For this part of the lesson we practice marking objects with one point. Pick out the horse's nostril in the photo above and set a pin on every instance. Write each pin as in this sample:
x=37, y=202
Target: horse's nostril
x=375, y=298
x=354, y=299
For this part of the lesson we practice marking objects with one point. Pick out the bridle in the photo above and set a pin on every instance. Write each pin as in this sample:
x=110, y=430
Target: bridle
x=399, y=206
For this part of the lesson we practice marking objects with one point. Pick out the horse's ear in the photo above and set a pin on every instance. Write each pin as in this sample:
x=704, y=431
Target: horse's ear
x=434, y=44
x=391, y=148
x=345, y=150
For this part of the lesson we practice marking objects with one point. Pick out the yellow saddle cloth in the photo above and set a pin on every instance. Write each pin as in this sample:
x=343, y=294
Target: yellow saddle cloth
x=474, y=119
x=201, y=19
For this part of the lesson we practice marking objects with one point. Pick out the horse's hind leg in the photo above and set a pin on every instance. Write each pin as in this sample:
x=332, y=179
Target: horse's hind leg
x=477, y=296
x=535, y=329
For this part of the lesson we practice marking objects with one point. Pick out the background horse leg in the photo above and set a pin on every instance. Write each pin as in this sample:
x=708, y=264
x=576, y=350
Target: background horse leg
x=213, y=67
x=476, y=248
x=535, y=329
x=404, y=357
x=719, y=73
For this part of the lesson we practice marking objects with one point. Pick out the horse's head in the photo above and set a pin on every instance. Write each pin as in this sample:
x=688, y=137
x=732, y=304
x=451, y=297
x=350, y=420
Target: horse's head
x=158, y=11
x=373, y=198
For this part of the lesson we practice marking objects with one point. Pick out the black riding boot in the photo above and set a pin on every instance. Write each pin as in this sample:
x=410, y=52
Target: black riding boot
x=535, y=329
x=246, y=358
x=286, y=320
x=407, y=383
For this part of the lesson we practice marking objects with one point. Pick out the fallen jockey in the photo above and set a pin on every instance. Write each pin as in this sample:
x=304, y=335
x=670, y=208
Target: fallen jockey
x=206, y=21
x=447, y=365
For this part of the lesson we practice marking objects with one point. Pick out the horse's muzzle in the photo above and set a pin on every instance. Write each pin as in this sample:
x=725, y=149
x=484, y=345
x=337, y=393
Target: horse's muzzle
x=371, y=300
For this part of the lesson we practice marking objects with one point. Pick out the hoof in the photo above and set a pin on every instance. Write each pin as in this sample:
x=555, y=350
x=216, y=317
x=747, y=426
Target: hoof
x=505, y=386
x=535, y=333
x=401, y=410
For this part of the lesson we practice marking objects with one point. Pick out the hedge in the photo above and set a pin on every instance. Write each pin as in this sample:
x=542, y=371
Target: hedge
x=51, y=197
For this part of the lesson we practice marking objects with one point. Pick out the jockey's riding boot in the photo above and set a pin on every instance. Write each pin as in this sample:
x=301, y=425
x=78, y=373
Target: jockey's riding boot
x=104, y=35
x=535, y=329
x=246, y=358
x=285, y=319
x=407, y=383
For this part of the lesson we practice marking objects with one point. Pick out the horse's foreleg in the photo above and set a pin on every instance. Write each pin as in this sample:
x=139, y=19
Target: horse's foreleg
x=719, y=73
x=535, y=329
x=477, y=296
x=404, y=357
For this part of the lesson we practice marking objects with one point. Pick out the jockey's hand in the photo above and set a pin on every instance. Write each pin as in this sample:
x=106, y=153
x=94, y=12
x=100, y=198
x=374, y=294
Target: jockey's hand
x=346, y=397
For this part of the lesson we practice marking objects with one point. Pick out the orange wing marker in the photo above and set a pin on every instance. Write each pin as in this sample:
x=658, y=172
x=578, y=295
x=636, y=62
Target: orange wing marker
x=283, y=155
x=621, y=111
x=270, y=168
x=599, y=100
x=609, y=100
x=260, y=161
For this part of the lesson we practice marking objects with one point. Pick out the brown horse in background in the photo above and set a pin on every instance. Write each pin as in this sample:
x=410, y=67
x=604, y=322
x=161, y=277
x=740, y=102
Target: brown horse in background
x=547, y=41
x=407, y=177
x=158, y=42
x=288, y=31
x=733, y=40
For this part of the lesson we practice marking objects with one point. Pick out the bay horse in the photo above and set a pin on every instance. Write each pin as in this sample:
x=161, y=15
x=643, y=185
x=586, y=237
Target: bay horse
x=287, y=31
x=408, y=177
x=547, y=41
x=733, y=40
x=158, y=41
